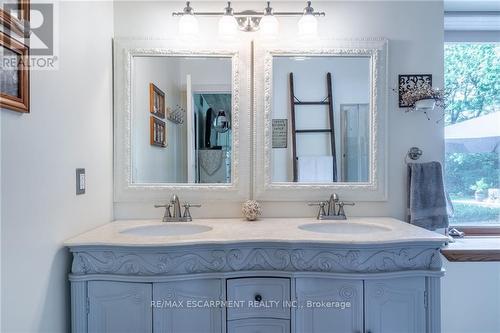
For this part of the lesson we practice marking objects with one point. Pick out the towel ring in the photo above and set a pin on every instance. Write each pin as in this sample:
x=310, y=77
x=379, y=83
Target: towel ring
x=413, y=154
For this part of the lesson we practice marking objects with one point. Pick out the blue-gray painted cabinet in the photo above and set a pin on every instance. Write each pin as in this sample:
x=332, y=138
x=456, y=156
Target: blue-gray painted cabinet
x=395, y=305
x=118, y=307
x=180, y=306
x=329, y=305
x=319, y=288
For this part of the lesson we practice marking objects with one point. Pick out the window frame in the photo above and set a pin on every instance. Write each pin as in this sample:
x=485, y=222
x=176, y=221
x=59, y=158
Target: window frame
x=473, y=37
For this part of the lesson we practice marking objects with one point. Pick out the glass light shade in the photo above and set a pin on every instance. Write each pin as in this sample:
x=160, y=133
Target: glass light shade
x=188, y=27
x=269, y=27
x=228, y=27
x=308, y=27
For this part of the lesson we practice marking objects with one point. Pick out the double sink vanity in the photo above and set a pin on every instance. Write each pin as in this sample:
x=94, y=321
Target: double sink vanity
x=184, y=123
x=273, y=275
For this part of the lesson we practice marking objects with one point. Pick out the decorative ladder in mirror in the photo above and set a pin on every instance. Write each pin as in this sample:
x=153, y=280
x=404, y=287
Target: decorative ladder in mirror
x=294, y=101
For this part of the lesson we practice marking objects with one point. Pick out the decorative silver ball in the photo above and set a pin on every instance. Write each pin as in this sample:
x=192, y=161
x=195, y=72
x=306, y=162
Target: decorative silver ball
x=251, y=209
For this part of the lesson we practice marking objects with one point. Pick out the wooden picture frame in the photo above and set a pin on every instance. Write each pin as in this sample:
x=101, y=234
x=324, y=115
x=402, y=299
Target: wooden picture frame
x=156, y=101
x=14, y=85
x=24, y=9
x=19, y=25
x=157, y=132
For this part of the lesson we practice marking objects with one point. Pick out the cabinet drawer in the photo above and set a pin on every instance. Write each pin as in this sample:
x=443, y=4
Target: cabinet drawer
x=259, y=297
x=258, y=325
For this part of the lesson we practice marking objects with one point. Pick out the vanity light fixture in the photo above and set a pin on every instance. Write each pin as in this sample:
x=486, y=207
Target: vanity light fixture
x=188, y=24
x=269, y=25
x=228, y=26
x=308, y=24
x=250, y=21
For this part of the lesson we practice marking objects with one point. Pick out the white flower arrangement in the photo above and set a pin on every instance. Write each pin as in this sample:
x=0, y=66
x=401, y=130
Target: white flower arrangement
x=413, y=95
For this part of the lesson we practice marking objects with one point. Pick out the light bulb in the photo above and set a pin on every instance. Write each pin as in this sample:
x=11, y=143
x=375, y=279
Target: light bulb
x=269, y=27
x=228, y=27
x=188, y=24
x=188, y=27
x=308, y=27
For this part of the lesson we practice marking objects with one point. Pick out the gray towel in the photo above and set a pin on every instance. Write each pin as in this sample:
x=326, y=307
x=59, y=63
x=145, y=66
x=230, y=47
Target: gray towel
x=427, y=204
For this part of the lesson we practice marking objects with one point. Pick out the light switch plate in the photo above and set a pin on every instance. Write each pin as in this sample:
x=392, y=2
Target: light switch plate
x=81, y=181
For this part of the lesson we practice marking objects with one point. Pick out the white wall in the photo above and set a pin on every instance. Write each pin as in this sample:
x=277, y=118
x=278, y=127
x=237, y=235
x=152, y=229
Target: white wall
x=208, y=74
x=152, y=164
x=470, y=297
x=70, y=126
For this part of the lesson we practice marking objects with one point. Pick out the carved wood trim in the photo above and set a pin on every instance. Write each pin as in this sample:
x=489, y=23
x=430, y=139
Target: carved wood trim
x=163, y=262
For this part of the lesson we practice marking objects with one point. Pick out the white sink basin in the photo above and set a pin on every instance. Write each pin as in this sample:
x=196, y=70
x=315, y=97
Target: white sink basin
x=166, y=230
x=343, y=228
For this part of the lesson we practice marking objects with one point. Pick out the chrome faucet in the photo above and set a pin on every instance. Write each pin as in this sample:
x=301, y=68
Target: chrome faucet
x=176, y=215
x=334, y=208
x=175, y=204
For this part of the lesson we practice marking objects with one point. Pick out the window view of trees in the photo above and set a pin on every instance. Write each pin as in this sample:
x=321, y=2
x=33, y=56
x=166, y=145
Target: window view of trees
x=472, y=132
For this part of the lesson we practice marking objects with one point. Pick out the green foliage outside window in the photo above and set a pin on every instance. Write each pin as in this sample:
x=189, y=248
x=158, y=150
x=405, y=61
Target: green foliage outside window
x=472, y=80
x=472, y=85
x=464, y=170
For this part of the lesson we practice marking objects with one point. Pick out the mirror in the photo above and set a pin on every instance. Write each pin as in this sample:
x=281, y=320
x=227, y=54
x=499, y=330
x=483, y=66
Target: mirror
x=181, y=115
x=320, y=119
x=181, y=120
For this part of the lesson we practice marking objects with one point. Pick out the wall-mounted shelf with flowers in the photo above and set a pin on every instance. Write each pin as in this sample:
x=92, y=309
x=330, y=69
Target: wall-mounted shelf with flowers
x=417, y=94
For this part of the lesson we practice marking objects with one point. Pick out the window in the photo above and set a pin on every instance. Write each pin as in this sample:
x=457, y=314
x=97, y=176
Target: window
x=472, y=132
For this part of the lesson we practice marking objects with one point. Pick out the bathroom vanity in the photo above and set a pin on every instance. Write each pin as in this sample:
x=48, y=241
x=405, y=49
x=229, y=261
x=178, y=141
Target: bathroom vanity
x=273, y=276
x=370, y=275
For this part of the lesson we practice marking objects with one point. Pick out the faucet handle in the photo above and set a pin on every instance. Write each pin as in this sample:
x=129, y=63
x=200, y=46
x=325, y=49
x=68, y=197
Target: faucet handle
x=160, y=206
x=341, y=205
x=319, y=203
x=187, y=204
x=187, y=212
x=322, y=206
x=167, y=210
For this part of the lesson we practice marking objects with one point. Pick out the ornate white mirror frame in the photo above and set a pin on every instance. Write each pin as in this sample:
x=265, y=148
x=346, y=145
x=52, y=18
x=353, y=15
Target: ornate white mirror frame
x=127, y=191
x=376, y=187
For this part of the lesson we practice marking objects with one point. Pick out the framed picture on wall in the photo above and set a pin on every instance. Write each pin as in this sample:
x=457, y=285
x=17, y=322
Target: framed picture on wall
x=14, y=74
x=411, y=81
x=156, y=101
x=157, y=132
x=14, y=17
x=280, y=133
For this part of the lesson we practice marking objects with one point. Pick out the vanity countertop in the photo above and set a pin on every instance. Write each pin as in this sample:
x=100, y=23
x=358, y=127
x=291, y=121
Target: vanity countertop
x=274, y=230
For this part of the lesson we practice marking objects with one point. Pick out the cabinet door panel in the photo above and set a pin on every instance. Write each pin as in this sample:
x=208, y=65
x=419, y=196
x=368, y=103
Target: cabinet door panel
x=118, y=307
x=258, y=325
x=329, y=305
x=183, y=306
x=395, y=305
